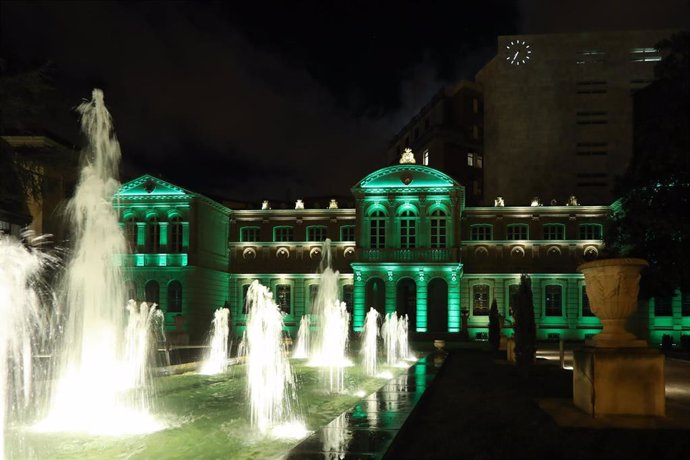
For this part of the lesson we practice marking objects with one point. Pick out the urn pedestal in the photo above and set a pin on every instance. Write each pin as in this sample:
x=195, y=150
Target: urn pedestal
x=616, y=373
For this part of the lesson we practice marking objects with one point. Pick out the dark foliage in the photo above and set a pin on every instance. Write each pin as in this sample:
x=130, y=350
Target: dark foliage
x=525, y=328
x=651, y=218
x=494, y=326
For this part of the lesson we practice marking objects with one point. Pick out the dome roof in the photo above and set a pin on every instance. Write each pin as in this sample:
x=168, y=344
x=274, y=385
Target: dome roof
x=406, y=177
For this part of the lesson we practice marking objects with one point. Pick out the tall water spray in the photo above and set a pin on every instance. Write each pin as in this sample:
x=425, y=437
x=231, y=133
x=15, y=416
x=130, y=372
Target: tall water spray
x=333, y=322
x=389, y=332
x=270, y=382
x=93, y=375
x=217, y=359
x=138, y=343
x=301, y=350
x=21, y=321
x=370, y=335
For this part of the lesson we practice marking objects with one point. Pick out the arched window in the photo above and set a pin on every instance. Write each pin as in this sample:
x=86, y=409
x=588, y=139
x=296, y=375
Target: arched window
x=408, y=229
x=174, y=296
x=131, y=233
x=152, y=292
x=153, y=233
x=377, y=229
x=175, y=229
x=438, y=229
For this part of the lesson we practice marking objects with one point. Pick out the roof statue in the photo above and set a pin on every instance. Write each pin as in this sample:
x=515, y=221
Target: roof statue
x=407, y=157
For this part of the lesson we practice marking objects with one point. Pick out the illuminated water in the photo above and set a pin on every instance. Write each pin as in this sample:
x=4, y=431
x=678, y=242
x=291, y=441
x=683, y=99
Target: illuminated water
x=302, y=346
x=270, y=383
x=217, y=359
x=22, y=319
x=96, y=371
x=395, y=339
x=329, y=350
x=370, y=335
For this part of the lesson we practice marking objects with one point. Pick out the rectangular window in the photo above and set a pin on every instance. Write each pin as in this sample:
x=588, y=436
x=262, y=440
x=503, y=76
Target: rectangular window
x=377, y=230
x=480, y=232
x=313, y=291
x=408, y=232
x=348, y=296
x=591, y=118
x=591, y=87
x=316, y=233
x=249, y=234
x=475, y=131
x=663, y=306
x=512, y=298
x=645, y=55
x=438, y=230
x=475, y=105
x=425, y=158
x=518, y=232
x=585, y=149
x=586, y=309
x=480, y=300
x=590, y=56
x=554, y=232
x=283, y=234
x=470, y=159
x=480, y=161
x=283, y=298
x=685, y=303
x=553, y=296
x=347, y=233
x=590, y=232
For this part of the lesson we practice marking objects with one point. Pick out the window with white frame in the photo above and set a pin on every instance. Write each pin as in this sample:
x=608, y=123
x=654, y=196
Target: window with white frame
x=250, y=234
x=283, y=298
x=153, y=233
x=553, y=300
x=283, y=234
x=554, y=232
x=316, y=233
x=438, y=229
x=480, y=300
x=377, y=229
x=408, y=229
x=175, y=230
x=347, y=233
x=590, y=232
x=481, y=232
x=517, y=232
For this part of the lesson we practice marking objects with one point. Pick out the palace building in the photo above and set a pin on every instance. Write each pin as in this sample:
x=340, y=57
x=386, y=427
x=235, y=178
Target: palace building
x=409, y=245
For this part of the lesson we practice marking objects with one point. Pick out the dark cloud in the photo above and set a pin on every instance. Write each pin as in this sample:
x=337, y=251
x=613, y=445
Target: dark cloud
x=259, y=99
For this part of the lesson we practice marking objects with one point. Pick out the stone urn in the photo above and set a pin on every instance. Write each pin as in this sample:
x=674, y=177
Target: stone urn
x=612, y=287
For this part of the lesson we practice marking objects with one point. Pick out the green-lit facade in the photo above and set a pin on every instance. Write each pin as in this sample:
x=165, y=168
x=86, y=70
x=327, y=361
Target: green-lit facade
x=409, y=245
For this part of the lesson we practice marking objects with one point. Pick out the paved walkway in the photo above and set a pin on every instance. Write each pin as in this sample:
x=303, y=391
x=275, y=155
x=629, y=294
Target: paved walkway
x=479, y=407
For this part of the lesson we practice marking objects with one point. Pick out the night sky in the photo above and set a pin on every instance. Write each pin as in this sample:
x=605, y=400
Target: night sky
x=252, y=100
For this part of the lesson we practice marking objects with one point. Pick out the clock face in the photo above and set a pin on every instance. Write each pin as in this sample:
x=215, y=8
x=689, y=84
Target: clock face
x=518, y=52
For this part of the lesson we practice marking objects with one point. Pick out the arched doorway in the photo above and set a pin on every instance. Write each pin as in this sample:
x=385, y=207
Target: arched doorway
x=437, y=305
x=406, y=301
x=375, y=296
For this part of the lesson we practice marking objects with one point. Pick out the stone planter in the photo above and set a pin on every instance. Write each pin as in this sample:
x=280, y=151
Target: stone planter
x=612, y=287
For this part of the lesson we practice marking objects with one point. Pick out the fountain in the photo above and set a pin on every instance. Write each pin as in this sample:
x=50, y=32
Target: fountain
x=138, y=342
x=333, y=320
x=217, y=359
x=370, y=335
x=90, y=393
x=389, y=331
x=21, y=310
x=303, y=337
x=270, y=383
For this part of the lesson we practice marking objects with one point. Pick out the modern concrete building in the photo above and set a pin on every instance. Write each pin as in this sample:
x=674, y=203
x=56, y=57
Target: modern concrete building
x=558, y=113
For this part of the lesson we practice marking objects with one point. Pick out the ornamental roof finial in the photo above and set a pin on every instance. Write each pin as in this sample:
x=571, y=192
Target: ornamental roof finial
x=407, y=157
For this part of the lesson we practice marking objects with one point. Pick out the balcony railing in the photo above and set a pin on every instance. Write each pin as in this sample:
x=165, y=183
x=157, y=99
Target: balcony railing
x=408, y=255
x=155, y=260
